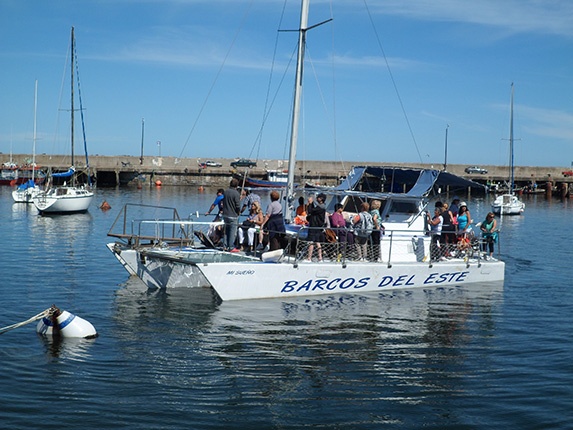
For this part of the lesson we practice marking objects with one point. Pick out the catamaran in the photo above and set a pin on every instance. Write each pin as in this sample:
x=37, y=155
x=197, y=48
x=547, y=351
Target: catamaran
x=401, y=260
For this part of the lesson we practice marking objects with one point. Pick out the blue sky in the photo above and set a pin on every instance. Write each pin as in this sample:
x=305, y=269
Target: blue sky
x=199, y=72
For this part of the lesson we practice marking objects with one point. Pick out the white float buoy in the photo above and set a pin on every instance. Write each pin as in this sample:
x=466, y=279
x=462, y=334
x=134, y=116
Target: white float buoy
x=65, y=324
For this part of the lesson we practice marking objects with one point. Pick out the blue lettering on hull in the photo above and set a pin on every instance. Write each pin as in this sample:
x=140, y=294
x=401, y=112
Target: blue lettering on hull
x=339, y=284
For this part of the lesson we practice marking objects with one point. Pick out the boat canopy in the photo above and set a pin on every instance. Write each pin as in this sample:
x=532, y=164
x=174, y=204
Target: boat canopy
x=28, y=184
x=67, y=174
x=418, y=182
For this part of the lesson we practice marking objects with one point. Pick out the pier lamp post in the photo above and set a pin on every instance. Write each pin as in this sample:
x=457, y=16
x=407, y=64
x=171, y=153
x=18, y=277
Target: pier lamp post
x=159, y=147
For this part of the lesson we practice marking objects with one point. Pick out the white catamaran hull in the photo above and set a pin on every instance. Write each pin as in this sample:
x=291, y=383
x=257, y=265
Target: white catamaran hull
x=169, y=268
x=238, y=281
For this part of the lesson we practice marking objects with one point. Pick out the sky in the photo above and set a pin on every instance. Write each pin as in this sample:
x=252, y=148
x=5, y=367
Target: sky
x=385, y=80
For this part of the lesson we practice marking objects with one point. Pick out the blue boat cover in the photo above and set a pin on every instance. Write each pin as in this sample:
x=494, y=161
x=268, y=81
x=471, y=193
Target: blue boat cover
x=424, y=184
x=29, y=184
x=67, y=174
x=352, y=179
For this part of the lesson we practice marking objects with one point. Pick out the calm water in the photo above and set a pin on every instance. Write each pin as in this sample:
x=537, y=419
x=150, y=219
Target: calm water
x=443, y=359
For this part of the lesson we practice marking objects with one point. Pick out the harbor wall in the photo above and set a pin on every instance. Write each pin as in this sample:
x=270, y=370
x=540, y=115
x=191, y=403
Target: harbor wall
x=121, y=170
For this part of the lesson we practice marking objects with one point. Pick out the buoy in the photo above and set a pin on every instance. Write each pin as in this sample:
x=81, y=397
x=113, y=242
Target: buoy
x=64, y=324
x=158, y=183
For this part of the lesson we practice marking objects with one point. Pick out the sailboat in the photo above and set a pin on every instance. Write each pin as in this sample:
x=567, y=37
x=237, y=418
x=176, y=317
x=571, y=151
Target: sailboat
x=400, y=261
x=509, y=203
x=68, y=198
x=26, y=192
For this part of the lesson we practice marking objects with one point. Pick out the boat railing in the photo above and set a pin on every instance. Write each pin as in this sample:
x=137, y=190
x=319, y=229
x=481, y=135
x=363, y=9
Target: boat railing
x=335, y=245
x=130, y=229
x=394, y=246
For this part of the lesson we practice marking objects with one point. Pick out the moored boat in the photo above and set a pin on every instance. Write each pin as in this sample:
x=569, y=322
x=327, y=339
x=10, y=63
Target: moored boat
x=401, y=260
x=26, y=192
x=508, y=203
x=73, y=197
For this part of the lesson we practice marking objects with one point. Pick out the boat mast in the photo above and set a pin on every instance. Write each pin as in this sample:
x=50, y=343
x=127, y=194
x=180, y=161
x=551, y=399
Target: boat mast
x=34, y=139
x=511, y=142
x=446, y=150
x=296, y=109
x=142, y=132
x=72, y=47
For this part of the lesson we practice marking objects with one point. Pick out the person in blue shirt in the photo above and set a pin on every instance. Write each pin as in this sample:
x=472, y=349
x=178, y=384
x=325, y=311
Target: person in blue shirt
x=218, y=203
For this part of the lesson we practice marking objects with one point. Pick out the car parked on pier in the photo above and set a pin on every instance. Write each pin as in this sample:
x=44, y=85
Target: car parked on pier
x=210, y=163
x=243, y=162
x=475, y=169
x=568, y=173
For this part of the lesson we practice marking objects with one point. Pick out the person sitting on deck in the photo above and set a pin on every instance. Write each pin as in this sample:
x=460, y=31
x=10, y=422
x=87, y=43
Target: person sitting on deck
x=250, y=225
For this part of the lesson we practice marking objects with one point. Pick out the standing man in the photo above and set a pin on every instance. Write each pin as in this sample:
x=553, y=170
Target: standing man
x=231, y=211
x=248, y=199
x=316, y=217
x=218, y=203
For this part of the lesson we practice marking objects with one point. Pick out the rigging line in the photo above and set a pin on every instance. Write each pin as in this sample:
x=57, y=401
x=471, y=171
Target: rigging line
x=266, y=109
x=82, y=113
x=204, y=104
x=337, y=155
x=319, y=88
x=393, y=82
x=62, y=83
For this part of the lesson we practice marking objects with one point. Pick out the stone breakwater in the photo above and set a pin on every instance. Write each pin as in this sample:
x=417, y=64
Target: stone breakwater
x=123, y=169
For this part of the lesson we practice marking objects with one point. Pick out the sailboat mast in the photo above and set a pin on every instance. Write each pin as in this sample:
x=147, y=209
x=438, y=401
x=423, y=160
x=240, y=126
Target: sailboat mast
x=72, y=92
x=296, y=108
x=142, y=132
x=34, y=139
x=511, y=179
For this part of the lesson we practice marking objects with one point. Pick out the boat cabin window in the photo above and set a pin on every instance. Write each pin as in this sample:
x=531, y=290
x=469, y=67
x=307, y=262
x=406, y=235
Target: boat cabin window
x=404, y=207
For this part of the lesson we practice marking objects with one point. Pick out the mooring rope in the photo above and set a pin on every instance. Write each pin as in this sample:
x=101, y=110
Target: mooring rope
x=43, y=314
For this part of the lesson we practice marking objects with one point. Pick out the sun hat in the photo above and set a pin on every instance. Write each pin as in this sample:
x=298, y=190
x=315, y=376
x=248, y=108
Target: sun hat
x=463, y=204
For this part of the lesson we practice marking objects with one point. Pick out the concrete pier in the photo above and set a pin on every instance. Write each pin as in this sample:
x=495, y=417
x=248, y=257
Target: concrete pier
x=122, y=170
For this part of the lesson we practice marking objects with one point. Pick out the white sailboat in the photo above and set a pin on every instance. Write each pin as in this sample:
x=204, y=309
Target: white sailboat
x=26, y=192
x=400, y=261
x=509, y=203
x=67, y=198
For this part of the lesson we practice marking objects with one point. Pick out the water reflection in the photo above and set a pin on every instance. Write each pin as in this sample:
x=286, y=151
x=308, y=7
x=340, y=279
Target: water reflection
x=60, y=348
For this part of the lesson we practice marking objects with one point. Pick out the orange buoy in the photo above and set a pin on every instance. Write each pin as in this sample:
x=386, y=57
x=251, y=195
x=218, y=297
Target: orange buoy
x=158, y=183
